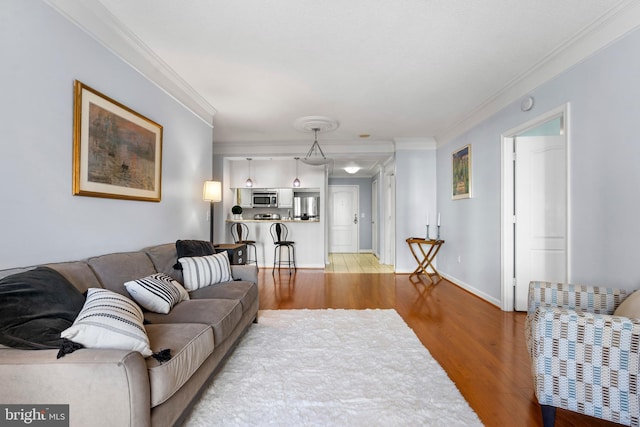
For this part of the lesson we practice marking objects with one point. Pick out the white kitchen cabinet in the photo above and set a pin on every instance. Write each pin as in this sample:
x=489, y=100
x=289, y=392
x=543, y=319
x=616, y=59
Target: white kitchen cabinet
x=244, y=198
x=285, y=198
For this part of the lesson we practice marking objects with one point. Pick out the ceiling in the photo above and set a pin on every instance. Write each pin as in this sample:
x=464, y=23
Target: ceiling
x=390, y=72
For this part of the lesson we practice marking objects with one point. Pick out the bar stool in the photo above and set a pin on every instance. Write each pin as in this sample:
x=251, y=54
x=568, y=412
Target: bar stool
x=279, y=233
x=240, y=234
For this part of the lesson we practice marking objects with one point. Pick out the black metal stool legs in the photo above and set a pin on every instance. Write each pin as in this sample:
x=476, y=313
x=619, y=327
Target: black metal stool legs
x=255, y=255
x=291, y=258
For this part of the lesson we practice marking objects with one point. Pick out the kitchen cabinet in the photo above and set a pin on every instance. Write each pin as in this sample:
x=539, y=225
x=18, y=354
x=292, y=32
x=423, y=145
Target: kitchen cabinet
x=285, y=198
x=243, y=197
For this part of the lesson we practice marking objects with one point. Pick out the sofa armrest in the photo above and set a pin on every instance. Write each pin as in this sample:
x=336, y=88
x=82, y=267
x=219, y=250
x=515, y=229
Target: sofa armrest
x=585, y=362
x=101, y=387
x=593, y=299
x=246, y=272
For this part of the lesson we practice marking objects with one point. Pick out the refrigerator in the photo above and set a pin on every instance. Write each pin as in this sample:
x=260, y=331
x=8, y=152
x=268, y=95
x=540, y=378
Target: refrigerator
x=306, y=207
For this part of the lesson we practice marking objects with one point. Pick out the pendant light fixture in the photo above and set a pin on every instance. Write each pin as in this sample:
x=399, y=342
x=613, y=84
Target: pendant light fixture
x=296, y=182
x=315, y=156
x=249, y=183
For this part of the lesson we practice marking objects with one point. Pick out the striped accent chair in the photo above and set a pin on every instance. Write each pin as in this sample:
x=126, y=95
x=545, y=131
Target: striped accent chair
x=583, y=358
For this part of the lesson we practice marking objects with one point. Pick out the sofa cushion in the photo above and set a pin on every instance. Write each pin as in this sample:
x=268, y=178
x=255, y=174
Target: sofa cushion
x=164, y=258
x=114, y=270
x=199, y=272
x=630, y=306
x=222, y=315
x=109, y=320
x=35, y=306
x=12, y=271
x=190, y=345
x=245, y=292
x=78, y=273
x=157, y=292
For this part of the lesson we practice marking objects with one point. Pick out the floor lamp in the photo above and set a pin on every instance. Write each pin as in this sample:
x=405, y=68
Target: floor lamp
x=212, y=193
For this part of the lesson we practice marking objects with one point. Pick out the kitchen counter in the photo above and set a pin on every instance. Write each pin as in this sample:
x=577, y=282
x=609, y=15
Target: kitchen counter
x=272, y=220
x=308, y=236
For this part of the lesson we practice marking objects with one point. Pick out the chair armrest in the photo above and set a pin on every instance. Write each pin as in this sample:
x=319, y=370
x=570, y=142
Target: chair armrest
x=593, y=299
x=585, y=362
x=101, y=387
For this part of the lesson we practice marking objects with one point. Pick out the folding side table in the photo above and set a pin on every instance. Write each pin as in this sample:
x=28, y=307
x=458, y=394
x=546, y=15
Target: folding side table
x=428, y=250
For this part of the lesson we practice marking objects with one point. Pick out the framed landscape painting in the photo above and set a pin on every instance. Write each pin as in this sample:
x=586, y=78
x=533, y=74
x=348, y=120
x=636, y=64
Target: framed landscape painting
x=117, y=153
x=461, y=182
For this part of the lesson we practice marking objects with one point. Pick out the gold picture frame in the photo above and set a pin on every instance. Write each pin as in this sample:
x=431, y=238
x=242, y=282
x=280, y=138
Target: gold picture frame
x=461, y=173
x=117, y=153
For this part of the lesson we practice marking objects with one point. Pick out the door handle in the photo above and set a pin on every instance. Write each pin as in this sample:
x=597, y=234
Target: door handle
x=355, y=218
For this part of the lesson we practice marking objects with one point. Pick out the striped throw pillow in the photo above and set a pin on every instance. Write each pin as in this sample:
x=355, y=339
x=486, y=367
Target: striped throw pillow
x=199, y=272
x=157, y=292
x=109, y=320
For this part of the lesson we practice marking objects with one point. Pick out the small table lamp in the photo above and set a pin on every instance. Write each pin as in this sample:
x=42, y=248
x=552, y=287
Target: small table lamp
x=212, y=193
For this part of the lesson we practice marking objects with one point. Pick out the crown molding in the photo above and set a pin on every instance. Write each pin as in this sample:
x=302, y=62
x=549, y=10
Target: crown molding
x=95, y=20
x=414, y=144
x=612, y=26
x=290, y=148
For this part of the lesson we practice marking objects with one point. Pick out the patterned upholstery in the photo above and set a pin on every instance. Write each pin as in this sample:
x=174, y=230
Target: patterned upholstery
x=583, y=358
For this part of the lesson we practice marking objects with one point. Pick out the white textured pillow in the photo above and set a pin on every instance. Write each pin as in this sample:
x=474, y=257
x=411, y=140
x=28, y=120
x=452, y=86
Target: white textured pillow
x=199, y=272
x=157, y=292
x=630, y=307
x=109, y=320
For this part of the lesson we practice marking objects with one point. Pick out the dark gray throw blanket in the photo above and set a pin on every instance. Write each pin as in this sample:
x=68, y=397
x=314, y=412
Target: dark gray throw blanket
x=35, y=306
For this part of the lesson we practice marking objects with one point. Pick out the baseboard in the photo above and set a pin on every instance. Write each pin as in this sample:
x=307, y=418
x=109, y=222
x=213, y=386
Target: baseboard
x=473, y=290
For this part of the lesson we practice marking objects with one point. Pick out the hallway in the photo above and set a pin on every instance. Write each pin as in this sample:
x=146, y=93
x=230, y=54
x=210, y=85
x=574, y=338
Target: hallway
x=356, y=263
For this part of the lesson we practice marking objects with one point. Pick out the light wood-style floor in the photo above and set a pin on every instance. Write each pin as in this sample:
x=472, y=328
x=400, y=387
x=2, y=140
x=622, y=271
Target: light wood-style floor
x=356, y=263
x=481, y=348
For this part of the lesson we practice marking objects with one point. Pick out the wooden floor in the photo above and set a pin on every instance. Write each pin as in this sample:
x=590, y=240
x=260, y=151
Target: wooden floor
x=480, y=347
x=356, y=263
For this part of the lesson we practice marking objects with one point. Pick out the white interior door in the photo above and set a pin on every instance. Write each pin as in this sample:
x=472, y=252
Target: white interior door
x=540, y=213
x=390, y=219
x=343, y=218
x=374, y=218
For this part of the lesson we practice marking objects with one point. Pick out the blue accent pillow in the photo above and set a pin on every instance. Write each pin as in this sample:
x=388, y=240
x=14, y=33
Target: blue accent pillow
x=35, y=306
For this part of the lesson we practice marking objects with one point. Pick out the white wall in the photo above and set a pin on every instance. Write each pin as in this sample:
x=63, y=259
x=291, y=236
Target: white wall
x=42, y=54
x=415, y=198
x=604, y=175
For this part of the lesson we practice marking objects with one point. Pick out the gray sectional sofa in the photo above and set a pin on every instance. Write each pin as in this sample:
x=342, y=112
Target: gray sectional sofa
x=107, y=387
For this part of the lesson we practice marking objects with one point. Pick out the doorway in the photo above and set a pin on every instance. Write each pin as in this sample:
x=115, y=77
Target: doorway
x=534, y=206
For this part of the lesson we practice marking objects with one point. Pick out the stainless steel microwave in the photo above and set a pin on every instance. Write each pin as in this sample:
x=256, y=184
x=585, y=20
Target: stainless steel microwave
x=265, y=199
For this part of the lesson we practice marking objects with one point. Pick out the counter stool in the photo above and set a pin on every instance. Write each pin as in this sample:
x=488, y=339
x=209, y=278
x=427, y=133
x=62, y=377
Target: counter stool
x=240, y=234
x=279, y=235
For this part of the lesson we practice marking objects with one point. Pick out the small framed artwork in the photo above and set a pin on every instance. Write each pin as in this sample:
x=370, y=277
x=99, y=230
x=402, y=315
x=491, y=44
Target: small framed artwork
x=117, y=153
x=461, y=182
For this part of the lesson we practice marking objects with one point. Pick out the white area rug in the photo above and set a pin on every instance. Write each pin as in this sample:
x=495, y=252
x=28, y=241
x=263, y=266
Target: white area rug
x=331, y=368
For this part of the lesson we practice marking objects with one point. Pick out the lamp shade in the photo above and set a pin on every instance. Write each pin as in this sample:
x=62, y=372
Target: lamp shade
x=212, y=191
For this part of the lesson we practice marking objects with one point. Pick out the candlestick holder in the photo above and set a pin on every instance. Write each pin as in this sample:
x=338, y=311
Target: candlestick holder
x=438, y=238
x=427, y=238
